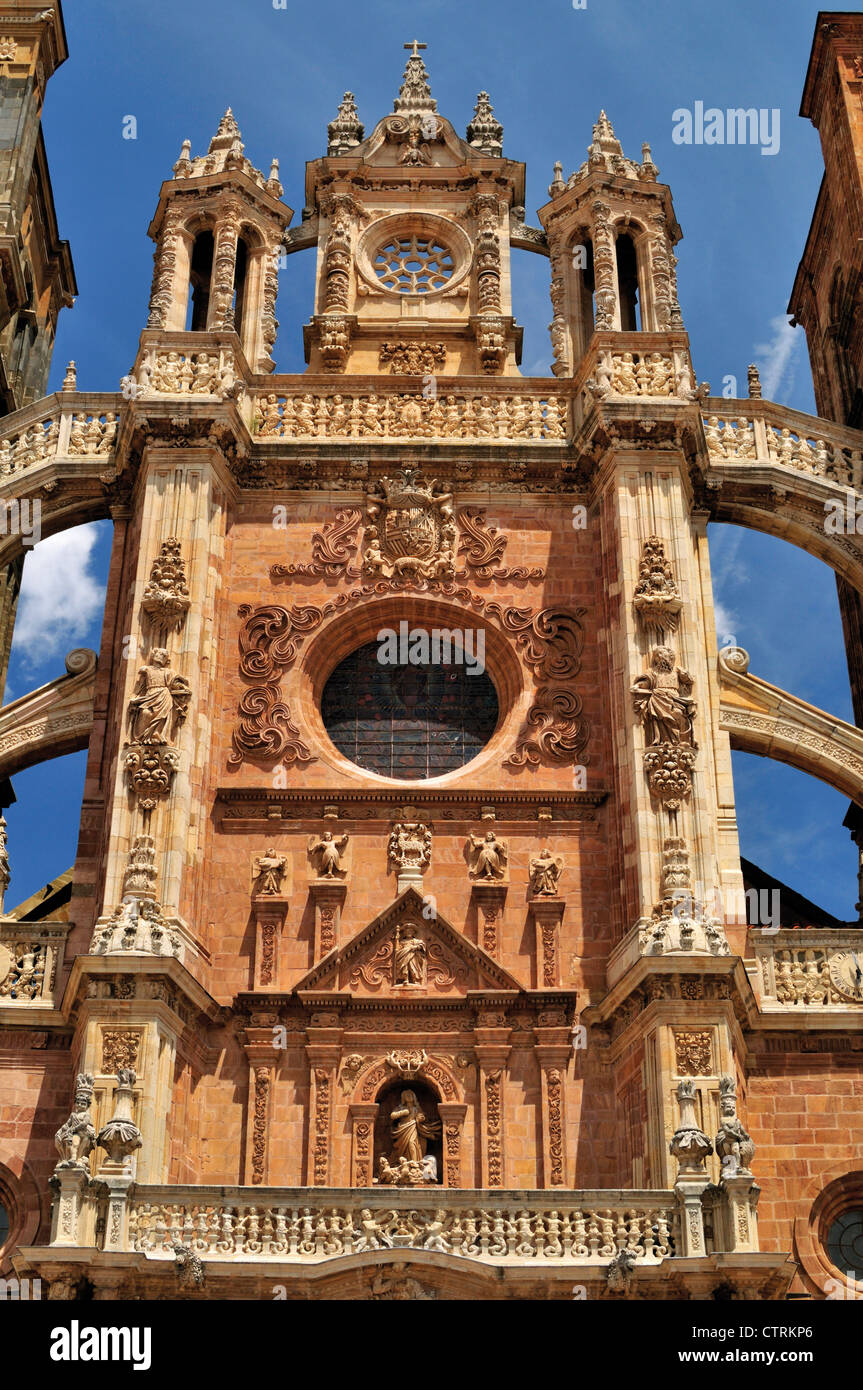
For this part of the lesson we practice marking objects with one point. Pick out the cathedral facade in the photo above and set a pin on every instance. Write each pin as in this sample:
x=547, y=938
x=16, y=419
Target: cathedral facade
x=409, y=953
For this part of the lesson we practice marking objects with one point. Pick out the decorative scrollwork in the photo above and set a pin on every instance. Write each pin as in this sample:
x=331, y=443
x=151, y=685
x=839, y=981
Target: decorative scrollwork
x=332, y=548
x=266, y=729
x=483, y=546
x=551, y=640
x=564, y=734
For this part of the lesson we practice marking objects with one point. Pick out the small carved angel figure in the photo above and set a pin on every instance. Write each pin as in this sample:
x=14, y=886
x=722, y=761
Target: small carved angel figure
x=330, y=853
x=488, y=856
x=269, y=872
x=545, y=871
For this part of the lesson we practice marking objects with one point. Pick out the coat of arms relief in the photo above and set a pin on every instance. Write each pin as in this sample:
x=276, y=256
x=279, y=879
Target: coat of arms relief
x=411, y=529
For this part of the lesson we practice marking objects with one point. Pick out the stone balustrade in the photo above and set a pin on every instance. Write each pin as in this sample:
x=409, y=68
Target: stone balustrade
x=808, y=969
x=308, y=1224
x=762, y=432
x=402, y=409
x=67, y=426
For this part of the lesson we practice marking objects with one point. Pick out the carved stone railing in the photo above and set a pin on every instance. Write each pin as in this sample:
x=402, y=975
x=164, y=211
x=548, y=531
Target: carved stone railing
x=304, y=1224
x=181, y=365
x=402, y=408
x=761, y=432
x=801, y=970
x=651, y=368
x=68, y=425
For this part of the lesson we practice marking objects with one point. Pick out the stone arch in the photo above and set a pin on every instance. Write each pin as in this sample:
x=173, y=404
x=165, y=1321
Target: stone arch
x=20, y=1195
x=49, y=722
x=435, y=1069
x=631, y=269
x=761, y=718
x=829, y=1191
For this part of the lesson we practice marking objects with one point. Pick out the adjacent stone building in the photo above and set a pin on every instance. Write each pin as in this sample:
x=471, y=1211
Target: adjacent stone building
x=407, y=951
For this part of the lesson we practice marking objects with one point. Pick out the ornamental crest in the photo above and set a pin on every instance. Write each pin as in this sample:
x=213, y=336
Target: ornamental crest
x=410, y=531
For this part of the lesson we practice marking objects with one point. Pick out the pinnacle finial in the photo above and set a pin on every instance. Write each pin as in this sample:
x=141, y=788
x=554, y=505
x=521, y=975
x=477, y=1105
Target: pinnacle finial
x=347, y=130
x=484, y=132
x=184, y=163
x=228, y=136
x=557, y=185
x=415, y=94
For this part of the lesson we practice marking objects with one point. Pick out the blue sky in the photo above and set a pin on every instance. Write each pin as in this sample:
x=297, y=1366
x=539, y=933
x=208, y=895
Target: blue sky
x=176, y=64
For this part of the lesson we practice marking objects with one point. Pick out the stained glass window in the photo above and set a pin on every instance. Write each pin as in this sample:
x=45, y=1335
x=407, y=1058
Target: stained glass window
x=410, y=721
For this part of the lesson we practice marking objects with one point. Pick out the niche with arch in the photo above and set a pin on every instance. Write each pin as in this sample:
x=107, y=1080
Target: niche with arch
x=391, y=1098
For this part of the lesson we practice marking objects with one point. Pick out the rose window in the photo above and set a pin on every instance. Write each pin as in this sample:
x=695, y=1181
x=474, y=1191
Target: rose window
x=413, y=264
x=845, y=1243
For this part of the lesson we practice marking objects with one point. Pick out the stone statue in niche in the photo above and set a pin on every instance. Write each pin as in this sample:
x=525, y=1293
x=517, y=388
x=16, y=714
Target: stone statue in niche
x=488, y=856
x=328, y=853
x=545, y=871
x=410, y=957
x=160, y=701
x=663, y=700
x=410, y=1165
x=269, y=872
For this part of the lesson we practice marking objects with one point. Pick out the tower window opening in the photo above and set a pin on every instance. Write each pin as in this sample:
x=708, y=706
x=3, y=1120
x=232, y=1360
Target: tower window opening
x=627, y=284
x=241, y=267
x=199, y=281
x=582, y=258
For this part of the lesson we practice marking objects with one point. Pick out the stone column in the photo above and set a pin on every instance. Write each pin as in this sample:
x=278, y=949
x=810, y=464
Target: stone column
x=324, y=1054
x=259, y=1113
x=672, y=794
x=220, y=314
x=362, y=1116
x=553, y=1061
x=452, y=1121
x=492, y=1066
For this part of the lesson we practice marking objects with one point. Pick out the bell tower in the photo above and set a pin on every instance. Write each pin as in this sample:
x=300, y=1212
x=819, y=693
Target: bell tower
x=412, y=232
x=611, y=232
x=218, y=229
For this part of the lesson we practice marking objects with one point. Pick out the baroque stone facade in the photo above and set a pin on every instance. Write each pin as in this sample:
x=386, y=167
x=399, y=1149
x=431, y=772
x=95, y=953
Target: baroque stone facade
x=522, y=986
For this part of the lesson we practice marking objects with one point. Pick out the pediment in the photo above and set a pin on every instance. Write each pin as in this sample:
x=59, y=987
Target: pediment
x=385, y=145
x=403, y=954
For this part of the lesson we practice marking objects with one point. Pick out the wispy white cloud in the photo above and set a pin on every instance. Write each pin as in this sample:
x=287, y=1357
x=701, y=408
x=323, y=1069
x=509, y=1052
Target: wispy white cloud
x=777, y=359
x=61, y=597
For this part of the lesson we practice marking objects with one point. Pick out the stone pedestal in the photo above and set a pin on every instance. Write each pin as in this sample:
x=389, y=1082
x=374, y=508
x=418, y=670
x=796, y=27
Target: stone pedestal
x=328, y=896
x=71, y=1207
x=270, y=911
x=741, y=1199
x=116, y=1187
x=490, y=899
x=689, y=1191
x=547, y=915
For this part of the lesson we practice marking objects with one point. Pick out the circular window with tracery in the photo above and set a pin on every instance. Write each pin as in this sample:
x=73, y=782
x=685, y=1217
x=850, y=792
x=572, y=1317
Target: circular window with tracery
x=414, y=264
x=845, y=1243
x=413, y=720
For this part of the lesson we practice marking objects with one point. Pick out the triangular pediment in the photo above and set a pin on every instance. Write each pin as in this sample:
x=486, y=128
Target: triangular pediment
x=405, y=954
